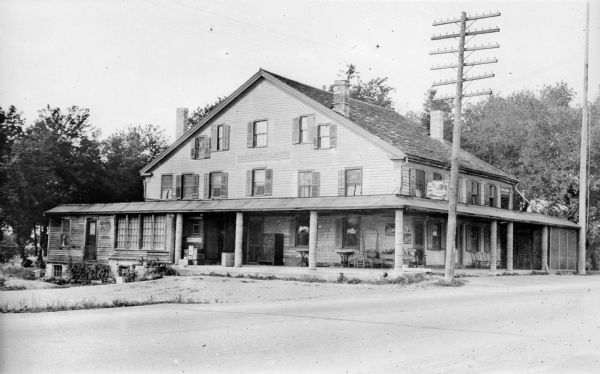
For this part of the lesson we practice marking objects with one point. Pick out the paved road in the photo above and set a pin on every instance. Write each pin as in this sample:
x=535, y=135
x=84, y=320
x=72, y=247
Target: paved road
x=496, y=324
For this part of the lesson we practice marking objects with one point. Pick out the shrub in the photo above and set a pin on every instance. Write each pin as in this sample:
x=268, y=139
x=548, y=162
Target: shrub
x=26, y=263
x=19, y=272
x=595, y=260
x=57, y=281
x=86, y=272
x=170, y=271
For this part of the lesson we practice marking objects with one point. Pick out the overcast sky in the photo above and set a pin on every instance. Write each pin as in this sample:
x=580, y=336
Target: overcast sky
x=134, y=62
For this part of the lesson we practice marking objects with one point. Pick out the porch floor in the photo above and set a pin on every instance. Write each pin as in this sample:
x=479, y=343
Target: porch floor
x=329, y=274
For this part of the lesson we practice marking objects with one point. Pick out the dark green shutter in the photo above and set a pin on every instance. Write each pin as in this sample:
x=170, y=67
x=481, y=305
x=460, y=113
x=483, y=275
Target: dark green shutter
x=316, y=182
x=311, y=128
x=332, y=136
x=250, y=135
x=224, y=184
x=268, y=182
x=296, y=130
x=225, y=137
x=341, y=183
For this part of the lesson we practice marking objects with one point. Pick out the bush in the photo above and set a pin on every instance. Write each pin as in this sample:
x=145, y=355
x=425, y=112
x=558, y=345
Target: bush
x=19, y=272
x=595, y=260
x=86, y=272
x=57, y=281
x=27, y=263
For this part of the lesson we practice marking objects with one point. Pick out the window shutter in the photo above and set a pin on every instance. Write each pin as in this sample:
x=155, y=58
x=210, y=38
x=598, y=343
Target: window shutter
x=206, y=191
x=268, y=182
x=486, y=194
x=206, y=147
x=249, y=183
x=332, y=136
x=296, y=130
x=311, y=128
x=468, y=186
x=341, y=183
x=224, y=184
x=298, y=182
x=413, y=182
x=213, y=137
x=225, y=137
x=193, y=150
x=178, y=186
x=339, y=234
x=316, y=182
x=196, y=186
x=250, y=135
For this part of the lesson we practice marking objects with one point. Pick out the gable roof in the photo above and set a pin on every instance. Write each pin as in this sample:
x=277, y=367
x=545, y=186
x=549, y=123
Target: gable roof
x=384, y=124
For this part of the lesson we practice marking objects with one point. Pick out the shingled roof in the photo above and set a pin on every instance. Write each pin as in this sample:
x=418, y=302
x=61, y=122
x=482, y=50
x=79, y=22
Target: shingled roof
x=398, y=131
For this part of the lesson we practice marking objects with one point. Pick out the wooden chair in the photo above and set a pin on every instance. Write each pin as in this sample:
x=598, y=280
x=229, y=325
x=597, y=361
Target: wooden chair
x=416, y=258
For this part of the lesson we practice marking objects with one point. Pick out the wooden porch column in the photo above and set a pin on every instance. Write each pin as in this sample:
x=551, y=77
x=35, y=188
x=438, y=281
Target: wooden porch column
x=493, y=245
x=169, y=237
x=398, y=239
x=178, y=236
x=509, y=246
x=312, y=241
x=463, y=249
x=239, y=239
x=544, y=248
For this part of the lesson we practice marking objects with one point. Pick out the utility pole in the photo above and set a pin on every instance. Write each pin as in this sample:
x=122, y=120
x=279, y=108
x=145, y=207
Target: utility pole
x=583, y=185
x=460, y=79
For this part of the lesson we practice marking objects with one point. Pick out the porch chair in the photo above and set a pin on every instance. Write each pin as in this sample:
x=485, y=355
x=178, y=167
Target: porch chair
x=416, y=258
x=369, y=253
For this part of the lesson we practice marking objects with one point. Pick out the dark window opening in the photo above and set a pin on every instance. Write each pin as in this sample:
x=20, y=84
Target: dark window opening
x=302, y=230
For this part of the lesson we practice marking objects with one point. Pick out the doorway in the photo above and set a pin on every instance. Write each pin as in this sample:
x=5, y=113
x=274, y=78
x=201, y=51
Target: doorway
x=89, y=253
x=255, y=240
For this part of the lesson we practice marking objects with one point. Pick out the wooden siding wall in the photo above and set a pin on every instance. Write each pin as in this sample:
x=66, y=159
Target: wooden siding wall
x=265, y=101
x=105, y=249
x=484, y=183
x=562, y=248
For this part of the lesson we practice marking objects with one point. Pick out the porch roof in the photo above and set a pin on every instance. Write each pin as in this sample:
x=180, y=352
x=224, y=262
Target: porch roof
x=330, y=203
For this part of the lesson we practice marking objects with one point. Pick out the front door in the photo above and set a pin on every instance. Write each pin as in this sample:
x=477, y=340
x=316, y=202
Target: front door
x=90, y=240
x=255, y=239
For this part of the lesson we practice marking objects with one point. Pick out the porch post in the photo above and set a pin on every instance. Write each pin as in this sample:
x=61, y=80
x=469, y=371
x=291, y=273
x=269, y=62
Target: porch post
x=398, y=239
x=463, y=249
x=170, y=237
x=544, y=248
x=509, y=246
x=178, y=236
x=493, y=245
x=312, y=241
x=239, y=232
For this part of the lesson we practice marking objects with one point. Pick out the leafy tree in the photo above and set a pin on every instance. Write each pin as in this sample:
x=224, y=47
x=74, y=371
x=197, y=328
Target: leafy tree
x=199, y=113
x=375, y=91
x=124, y=154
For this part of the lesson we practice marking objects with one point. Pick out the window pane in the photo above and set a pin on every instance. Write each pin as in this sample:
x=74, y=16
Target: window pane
x=259, y=182
x=166, y=187
x=215, y=184
x=260, y=134
x=133, y=232
x=122, y=231
x=305, y=180
x=353, y=182
x=147, y=232
x=188, y=186
x=160, y=223
x=302, y=230
x=437, y=177
x=220, y=137
x=303, y=129
x=324, y=136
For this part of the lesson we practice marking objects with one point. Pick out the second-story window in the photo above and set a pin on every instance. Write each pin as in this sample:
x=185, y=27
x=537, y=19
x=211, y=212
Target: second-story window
x=492, y=195
x=303, y=130
x=420, y=187
x=189, y=186
x=259, y=134
x=353, y=182
x=259, y=182
x=308, y=183
x=475, y=198
x=166, y=186
x=323, y=137
x=215, y=184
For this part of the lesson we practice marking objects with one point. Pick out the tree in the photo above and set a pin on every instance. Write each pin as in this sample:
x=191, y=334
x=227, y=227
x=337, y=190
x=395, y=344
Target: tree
x=56, y=160
x=199, y=113
x=124, y=153
x=375, y=91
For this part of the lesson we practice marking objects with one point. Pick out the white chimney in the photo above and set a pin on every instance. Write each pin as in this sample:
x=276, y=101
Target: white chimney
x=181, y=122
x=341, y=97
x=436, y=124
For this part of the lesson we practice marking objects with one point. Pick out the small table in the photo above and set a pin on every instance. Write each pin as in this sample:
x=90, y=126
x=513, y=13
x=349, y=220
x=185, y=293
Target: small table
x=303, y=261
x=344, y=254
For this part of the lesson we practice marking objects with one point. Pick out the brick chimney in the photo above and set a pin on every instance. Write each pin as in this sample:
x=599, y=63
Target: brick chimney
x=341, y=97
x=180, y=122
x=436, y=124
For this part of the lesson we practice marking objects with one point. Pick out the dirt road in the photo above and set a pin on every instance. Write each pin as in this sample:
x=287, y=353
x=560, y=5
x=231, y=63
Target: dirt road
x=495, y=324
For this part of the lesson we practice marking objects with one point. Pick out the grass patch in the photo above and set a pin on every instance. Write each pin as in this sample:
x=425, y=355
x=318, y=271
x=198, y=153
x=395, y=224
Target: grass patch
x=60, y=305
x=453, y=283
x=18, y=272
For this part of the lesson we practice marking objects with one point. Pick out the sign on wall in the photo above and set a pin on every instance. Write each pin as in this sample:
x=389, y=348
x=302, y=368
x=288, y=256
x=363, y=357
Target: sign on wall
x=437, y=190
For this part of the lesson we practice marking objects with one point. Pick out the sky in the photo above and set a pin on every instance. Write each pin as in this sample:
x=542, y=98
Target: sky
x=135, y=62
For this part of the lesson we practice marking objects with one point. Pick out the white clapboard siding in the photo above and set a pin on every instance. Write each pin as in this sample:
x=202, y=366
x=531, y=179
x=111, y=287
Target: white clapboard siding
x=266, y=101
